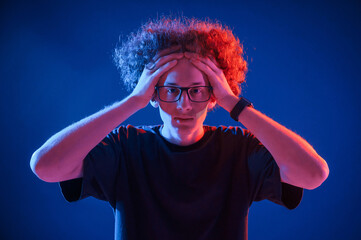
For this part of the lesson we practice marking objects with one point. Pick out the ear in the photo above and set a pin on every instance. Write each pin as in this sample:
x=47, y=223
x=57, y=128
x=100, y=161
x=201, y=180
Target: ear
x=211, y=105
x=154, y=101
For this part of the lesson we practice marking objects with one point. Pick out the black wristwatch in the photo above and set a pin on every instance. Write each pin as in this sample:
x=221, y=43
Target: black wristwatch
x=238, y=108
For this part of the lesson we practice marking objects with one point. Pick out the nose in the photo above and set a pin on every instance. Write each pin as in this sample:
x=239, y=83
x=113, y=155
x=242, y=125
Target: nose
x=184, y=103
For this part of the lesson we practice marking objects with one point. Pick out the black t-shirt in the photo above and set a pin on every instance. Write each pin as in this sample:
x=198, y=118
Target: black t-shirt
x=160, y=190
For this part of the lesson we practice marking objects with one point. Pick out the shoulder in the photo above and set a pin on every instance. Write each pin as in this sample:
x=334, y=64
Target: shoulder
x=138, y=130
x=132, y=134
x=235, y=136
x=228, y=130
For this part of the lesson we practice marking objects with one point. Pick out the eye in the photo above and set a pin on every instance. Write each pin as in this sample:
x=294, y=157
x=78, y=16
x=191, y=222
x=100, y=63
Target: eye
x=196, y=90
x=171, y=90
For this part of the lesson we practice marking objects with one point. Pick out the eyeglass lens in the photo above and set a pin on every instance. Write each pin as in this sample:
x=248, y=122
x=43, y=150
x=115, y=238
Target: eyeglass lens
x=172, y=94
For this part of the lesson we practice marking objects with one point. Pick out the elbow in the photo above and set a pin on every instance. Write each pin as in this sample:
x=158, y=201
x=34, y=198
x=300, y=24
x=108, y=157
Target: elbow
x=37, y=165
x=325, y=172
x=308, y=178
x=34, y=162
x=49, y=167
x=320, y=176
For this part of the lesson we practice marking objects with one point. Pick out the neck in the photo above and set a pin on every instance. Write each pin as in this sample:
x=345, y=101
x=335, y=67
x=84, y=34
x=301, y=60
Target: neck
x=182, y=137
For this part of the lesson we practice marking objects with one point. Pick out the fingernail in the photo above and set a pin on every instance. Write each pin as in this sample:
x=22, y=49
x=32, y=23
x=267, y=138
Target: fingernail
x=150, y=66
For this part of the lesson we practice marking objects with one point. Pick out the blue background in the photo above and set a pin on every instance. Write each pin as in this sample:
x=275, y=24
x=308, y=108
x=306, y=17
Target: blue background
x=56, y=68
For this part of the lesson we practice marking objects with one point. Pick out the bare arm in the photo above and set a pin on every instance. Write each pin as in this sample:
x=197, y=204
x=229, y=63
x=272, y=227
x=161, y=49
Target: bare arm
x=299, y=163
x=61, y=157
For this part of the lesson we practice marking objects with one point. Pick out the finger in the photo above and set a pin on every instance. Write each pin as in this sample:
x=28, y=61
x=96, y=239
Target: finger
x=206, y=69
x=166, y=51
x=152, y=64
x=210, y=57
x=163, y=60
x=191, y=55
x=163, y=69
x=210, y=61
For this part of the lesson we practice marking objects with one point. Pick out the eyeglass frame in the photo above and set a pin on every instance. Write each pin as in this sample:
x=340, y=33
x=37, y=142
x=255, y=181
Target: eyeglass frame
x=186, y=89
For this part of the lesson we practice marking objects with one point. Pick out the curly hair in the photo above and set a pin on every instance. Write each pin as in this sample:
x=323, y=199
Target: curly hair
x=201, y=37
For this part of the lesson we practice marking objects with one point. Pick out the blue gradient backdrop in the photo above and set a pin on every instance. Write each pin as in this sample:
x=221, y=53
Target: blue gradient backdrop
x=56, y=68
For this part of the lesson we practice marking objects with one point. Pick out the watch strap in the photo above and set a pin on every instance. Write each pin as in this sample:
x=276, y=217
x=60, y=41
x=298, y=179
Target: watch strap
x=238, y=108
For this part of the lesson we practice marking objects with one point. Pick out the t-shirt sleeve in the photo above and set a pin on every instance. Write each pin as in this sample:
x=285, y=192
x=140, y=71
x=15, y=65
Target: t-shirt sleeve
x=100, y=172
x=265, y=179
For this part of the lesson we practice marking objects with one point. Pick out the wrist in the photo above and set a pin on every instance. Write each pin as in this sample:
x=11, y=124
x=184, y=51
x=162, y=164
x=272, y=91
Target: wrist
x=228, y=102
x=240, y=106
x=137, y=101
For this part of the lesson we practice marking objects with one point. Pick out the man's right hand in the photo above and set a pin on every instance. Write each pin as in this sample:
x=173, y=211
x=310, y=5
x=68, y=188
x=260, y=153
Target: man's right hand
x=161, y=63
x=61, y=157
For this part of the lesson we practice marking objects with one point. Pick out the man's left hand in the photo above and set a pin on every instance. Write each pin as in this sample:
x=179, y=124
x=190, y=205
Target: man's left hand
x=221, y=89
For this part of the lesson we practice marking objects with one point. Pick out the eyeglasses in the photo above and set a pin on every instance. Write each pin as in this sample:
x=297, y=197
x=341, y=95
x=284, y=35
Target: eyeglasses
x=173, y=94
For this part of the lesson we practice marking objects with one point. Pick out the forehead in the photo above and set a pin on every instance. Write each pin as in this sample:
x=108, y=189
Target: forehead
x=183, y=74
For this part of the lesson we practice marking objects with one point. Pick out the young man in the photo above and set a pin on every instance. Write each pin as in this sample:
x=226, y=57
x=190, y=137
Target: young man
x=181, y=179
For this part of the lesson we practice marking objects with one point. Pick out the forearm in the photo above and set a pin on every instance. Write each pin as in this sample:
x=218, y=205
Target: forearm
x=61, y=157
x=299, y=163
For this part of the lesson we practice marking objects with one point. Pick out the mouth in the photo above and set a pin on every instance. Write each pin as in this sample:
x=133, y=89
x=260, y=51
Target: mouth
x=183, y=118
